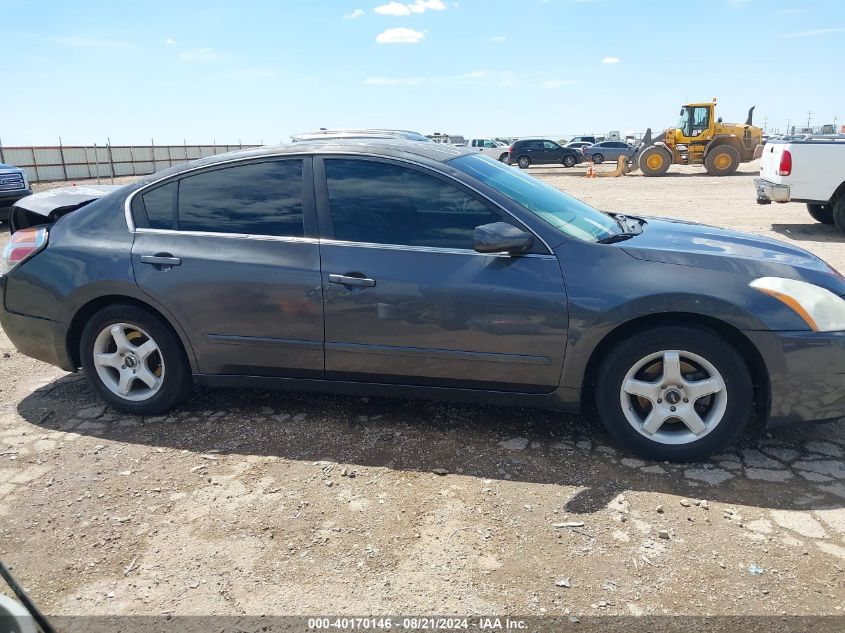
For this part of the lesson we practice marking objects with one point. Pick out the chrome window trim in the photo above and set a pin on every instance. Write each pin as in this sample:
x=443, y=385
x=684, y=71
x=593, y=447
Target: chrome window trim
x=330, y=242
x=130, y=224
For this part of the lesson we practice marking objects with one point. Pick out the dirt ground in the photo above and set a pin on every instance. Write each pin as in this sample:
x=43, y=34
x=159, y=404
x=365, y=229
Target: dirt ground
x=249, y=502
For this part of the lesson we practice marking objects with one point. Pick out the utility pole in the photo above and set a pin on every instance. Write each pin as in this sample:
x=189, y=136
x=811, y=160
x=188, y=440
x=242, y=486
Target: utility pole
x=765, y=124
x=788, y=122
x=809, y=117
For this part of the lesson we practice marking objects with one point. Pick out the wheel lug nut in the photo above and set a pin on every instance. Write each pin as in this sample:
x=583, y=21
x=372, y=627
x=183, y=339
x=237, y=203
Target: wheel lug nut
x=659, y=400
x=671, y=408
x=686, y=399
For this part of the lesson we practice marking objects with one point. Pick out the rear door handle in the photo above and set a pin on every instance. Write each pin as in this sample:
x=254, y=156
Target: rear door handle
x=346, y=280
x=161, y=260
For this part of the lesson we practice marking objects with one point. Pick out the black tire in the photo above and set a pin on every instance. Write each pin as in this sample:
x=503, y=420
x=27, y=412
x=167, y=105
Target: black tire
x=504, y=158
x=524, y=162
x=569, y=161
x=177, y=381
x=821, y=212
x=702, y=342
x=654, y=161
x=722, y=160
x=598, y=159
x=839, y=213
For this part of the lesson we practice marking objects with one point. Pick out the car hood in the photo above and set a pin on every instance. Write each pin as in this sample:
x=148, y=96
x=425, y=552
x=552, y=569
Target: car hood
x=701, y=246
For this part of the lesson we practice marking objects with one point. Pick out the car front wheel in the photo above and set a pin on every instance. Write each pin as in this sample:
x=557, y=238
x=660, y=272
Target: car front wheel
x=134, y=361
x=674, y=393
x=569, y=160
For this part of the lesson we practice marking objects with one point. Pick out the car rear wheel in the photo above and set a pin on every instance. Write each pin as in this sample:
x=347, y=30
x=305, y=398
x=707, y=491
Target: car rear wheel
x=524, y=162
x=674, y=393
x=598, y=159
x=839, y=213
x=821, y=213
x=569, y=161
x=504, y=158
x=134, y=361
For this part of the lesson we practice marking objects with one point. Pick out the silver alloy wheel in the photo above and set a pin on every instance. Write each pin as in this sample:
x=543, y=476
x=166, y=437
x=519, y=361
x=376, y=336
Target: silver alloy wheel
x=129, y=362
x=673, y=397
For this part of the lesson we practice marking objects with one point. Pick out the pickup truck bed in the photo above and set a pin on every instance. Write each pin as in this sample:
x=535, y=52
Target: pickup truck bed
x=805, y=170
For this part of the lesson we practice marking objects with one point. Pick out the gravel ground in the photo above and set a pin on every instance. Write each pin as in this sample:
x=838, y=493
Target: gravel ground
x=249, y=502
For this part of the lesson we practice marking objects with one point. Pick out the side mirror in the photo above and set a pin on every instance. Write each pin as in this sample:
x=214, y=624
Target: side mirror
x=501, y=237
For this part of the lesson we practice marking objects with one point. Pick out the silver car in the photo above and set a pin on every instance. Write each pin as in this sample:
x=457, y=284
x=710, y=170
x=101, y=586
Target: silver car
x=608, y=150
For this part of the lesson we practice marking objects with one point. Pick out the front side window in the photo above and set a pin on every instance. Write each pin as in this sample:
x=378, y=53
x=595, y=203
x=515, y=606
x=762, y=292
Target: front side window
x=550, y=145
x=683, y=121
x=562, y=211
x=256, y=199
x=382, y=203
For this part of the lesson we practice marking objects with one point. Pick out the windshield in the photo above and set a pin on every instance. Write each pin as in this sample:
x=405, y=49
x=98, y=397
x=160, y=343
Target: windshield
x=562, y=211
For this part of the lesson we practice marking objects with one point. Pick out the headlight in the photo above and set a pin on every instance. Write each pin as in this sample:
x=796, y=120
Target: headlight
x=820, y=308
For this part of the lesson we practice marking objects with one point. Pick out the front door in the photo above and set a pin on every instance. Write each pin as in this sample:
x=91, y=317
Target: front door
x=408, y=300
x=232, y=253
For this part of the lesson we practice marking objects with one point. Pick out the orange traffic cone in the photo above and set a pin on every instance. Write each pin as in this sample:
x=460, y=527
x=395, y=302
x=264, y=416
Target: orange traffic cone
x=591, y=173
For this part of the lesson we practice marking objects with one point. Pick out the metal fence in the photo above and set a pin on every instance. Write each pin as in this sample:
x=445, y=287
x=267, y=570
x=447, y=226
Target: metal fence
x=77, y=162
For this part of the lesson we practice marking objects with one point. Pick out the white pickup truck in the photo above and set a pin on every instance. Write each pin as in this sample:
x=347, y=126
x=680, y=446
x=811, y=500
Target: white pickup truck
x=809, y=170
x=489, y=147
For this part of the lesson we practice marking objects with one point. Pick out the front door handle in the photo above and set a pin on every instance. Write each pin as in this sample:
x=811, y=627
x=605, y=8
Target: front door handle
x=164, y=259
x=347, y=280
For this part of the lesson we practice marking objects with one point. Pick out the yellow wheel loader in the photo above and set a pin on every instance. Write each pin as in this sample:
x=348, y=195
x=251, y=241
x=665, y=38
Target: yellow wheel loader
x=700, y=139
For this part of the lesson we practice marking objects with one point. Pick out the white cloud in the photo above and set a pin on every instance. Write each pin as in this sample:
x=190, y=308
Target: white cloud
x=357, y=13
x=169, y=40
x=813, y=33
x=200, y=55
x=418, y=6
x=399, y=35
x=552, y=84
x=90, y=42
x=393, y=8
x=498, y=39
x=610, y=60
x=476, y=74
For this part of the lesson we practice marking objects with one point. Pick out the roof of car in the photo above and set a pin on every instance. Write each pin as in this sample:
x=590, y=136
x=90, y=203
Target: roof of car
x=388, y=147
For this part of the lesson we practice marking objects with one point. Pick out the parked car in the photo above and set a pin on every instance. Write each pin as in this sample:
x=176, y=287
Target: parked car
x=808, y=170
x=538, y=151
x=363, y=134
x=578, y=144
x=586, y=139
x=13, y=187
x=608, y=150
x=489, y=147
x=412, y=269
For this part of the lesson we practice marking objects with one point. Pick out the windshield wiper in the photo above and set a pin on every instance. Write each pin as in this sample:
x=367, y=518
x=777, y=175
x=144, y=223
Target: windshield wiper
x=617, y=237
x=628, y=225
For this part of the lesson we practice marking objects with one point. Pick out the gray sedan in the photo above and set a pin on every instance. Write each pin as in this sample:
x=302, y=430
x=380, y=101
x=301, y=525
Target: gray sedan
x=401, y=269
x=608, y=150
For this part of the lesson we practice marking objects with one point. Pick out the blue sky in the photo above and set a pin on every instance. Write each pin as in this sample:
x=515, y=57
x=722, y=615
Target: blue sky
x=260, y=70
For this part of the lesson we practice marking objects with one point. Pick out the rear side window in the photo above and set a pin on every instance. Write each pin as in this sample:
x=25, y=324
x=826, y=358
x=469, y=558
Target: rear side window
x=159, y=205
x=256, y=199
x=381, y=203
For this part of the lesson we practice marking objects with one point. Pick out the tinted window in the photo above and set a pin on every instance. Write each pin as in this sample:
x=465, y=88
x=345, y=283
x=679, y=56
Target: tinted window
x=550, y=145
x=259, y=199
x=159, y=206
x=565, y=213
x=388, y=204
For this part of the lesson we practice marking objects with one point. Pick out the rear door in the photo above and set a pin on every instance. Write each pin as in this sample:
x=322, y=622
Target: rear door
x=552, y=152
x=232, y=252
x=408, y=300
